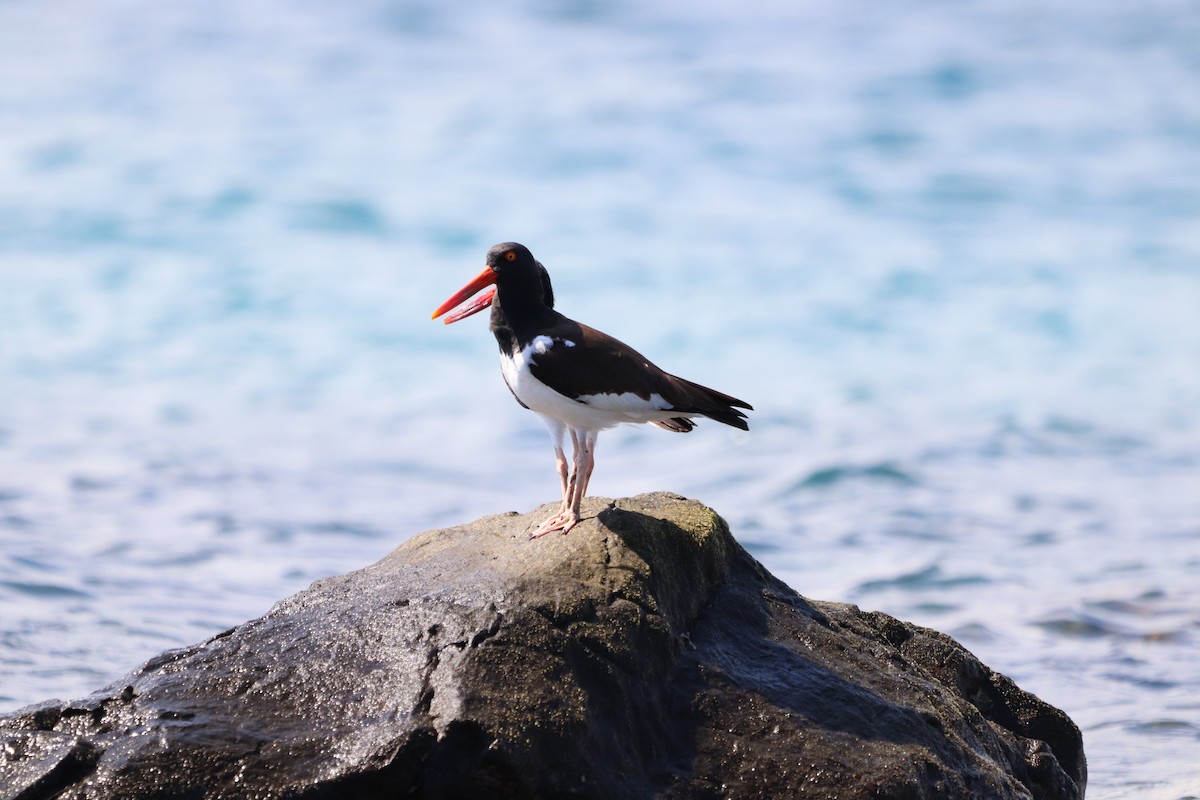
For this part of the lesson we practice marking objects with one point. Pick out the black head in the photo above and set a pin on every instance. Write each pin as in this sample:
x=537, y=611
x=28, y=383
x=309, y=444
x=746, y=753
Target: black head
x=510, y=259
x=514, y=264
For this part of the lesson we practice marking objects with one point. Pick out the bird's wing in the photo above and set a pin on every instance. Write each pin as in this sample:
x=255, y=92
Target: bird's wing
x=592, y=367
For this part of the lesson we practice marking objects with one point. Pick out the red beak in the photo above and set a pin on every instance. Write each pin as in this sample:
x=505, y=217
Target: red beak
x=484, y=280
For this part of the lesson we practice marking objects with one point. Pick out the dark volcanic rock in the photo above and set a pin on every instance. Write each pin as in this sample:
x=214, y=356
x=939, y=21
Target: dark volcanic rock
x=643, y=655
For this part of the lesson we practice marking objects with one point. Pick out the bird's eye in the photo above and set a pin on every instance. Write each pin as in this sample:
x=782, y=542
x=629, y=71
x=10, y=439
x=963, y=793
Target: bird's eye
x=510, y=256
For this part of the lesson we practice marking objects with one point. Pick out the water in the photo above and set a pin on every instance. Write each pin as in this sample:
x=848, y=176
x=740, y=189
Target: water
x=950, y=252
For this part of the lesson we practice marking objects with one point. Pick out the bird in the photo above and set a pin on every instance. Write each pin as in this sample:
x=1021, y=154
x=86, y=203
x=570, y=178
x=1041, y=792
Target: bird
x=579, y=380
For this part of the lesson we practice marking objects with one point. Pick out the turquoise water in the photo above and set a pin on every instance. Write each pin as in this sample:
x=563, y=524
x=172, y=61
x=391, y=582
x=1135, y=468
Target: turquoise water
x=950, y=252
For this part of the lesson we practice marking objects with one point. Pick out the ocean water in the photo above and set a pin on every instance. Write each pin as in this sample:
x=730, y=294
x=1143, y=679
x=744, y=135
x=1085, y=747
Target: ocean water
x=949, y=251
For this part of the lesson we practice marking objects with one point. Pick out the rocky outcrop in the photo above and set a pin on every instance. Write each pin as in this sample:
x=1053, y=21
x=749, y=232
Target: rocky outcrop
x=643, y=655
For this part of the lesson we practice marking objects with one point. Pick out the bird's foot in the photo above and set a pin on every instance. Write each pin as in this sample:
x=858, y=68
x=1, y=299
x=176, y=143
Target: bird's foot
x=562, y=521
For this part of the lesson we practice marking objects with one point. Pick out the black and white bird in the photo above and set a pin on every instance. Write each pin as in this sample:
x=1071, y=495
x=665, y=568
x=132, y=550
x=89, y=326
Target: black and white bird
x=577, y=379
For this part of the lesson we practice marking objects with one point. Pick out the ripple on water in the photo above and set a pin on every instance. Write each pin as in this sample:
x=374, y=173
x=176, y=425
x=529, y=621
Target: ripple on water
x=32, y=563
x=200, y=556
x=47, y=591
x=1160, y=726
x=928, y=577
x=351, y=529
x=1145, y=618
x=340, y=216
x=1141, y=681
x=92, y=483
x=933, y=608
x=829, y=477
x=1078, y=624
x=222, y=523
x=1164, y=727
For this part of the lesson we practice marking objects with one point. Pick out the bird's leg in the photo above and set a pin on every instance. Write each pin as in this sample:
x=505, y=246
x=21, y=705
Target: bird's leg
x=560, y=462
x=585, y=460
x=569, y=486
x=559, y=519
x=574, y=486
x=590, y=452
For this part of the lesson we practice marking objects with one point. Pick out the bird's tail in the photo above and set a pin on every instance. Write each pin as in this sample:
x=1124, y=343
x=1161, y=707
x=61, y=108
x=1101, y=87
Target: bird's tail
x=714, y=405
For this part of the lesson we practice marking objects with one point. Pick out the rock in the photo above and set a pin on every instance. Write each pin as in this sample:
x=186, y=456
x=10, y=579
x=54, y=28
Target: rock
x=643, y=655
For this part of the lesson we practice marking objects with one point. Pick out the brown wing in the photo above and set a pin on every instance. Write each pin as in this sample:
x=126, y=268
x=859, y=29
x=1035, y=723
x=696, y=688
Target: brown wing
x=595, y=364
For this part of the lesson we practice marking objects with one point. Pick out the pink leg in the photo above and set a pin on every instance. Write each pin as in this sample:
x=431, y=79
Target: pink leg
x=569, y=491
x=560, y=463
x=557, y=520
x=557, y=429
x=590, y=444
x=585, y=460
x=575, y=486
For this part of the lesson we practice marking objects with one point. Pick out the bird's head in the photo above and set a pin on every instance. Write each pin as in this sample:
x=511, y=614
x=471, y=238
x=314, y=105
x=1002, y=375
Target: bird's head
x=510, y=258
x=508, y=264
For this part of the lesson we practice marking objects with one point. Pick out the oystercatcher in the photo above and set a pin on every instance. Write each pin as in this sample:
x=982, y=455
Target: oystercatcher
x=577, y=379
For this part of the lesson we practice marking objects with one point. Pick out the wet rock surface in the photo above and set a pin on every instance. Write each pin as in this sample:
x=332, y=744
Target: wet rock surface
x=645, y=654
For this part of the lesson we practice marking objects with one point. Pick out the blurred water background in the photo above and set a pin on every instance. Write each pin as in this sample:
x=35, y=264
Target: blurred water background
x=949, y=251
